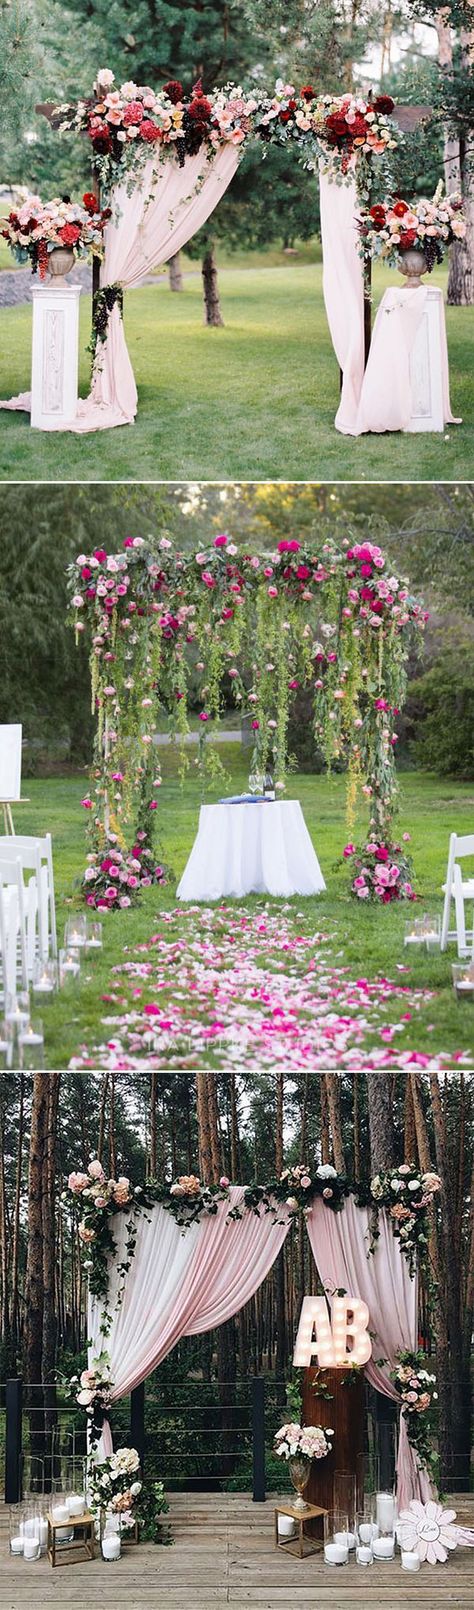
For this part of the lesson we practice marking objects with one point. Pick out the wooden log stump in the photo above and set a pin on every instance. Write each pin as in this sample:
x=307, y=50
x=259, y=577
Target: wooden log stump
x=345, y=1412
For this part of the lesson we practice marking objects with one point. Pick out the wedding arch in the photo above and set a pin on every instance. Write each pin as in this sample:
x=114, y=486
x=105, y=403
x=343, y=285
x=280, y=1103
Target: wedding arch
x=164, y=159
x=165, y=626
x=177, y=1260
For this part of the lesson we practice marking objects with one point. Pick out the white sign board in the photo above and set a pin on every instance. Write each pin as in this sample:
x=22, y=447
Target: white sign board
x=323, y=1340
x=10, y=761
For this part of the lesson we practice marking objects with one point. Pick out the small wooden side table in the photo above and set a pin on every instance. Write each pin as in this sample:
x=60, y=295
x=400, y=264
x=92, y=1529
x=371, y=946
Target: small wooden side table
x=82, y=1544
x=301, y=1544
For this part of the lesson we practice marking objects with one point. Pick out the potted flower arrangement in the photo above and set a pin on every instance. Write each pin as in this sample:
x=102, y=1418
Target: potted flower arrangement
x=412, y=237
x=299, y=1445
x=52, y=234
x=381, y=872
x=122, y=1502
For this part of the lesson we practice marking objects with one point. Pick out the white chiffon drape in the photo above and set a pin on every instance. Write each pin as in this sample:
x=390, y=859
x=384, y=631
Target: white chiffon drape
x=340, y=1244
x=167, y=207
x=180, y=1283
x=343, y=288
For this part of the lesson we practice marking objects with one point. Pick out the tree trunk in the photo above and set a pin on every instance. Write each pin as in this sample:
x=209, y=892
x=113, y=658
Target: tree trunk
x=33, y=1345
x=112, y=1156
x=212, y=306
x=175, y=277
x=153, y=1101
x=102, y=1109
x=48, y=1217
x=15, y=1312
x=381, y=1131
x=458, y=170
x=325, y=1134
x=333, y=1090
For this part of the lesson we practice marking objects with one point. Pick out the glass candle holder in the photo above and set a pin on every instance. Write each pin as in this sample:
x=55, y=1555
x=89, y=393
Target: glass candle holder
x=344, y=1501
x=414, y=934
x=69, y=966
x=94, y=936
x=432, y=933
x=110, y=1536
x=31, y=1530
x=45, y=978
x=336, y=1530
x=17, y=1008
x=60, y=1515
x=463, y=980
x=16, y=1528
x=75, y=932
x=31, y=1044
x=383, y=1546
x=365, y=1529
x=7, y=1042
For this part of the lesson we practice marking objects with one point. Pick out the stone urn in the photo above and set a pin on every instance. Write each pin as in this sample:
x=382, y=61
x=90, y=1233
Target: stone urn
x=412, y=264
x=60, y=262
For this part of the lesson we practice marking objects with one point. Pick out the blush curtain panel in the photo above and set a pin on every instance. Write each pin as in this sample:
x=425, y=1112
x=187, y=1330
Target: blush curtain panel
x=343, y=288
x=340, y=1243
x=180, y=1283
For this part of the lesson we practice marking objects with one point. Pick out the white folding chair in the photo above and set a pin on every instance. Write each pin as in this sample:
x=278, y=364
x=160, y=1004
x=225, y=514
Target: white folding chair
x=458, y=889
x=13, y=941
x=37, y=854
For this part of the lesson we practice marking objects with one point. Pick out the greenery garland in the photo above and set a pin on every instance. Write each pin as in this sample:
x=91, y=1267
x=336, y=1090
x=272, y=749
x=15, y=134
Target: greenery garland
x=263, y=624
x=404, y=1193
x=415, y=1384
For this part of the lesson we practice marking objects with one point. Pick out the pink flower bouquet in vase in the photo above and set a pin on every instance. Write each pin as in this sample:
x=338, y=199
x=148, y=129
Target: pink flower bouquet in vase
x=299, y=1445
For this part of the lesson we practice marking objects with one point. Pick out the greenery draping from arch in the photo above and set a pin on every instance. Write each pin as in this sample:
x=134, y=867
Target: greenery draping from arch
x=253, y=627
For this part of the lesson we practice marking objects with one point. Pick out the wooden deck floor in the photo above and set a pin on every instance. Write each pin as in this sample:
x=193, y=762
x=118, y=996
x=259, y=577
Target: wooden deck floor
x=223, y=1554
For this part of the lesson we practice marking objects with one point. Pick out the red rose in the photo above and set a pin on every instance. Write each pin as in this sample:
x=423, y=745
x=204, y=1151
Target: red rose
x=174, y=90
x=383, y=103
x=284, y=117
x=90, y=202
x=308, y=93
x=377, y=215
x=400, y=208
x=149, y=131
x=100, y=137
x=407, y=240
x=336, y=126
x=70, y=234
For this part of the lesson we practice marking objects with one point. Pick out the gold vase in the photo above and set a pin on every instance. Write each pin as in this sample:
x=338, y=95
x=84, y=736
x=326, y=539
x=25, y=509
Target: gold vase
x=299, y=1468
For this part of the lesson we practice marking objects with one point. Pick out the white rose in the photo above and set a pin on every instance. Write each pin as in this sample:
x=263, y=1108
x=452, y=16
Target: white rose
x=326, y=1172
x=414, y=1185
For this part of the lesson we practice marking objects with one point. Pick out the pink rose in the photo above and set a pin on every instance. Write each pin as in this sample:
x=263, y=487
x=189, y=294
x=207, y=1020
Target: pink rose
x=77, y=1183
x=95, y=1170
x=224, y=1182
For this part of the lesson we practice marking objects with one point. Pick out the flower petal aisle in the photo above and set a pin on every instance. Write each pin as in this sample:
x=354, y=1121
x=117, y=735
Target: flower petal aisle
x=253, y=989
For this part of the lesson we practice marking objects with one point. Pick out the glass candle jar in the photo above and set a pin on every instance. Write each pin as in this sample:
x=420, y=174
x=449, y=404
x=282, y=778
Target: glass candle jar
x=336, y=1530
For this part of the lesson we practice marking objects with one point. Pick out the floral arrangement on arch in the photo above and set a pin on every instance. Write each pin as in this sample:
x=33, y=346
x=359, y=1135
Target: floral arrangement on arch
x=390, y=228
x=37, y=228
x=115, y=1484
x=294, y=1441
x=127, y=123
x=415, y=1385
x=406, y=1193
x=345, y=132
x=334, y=620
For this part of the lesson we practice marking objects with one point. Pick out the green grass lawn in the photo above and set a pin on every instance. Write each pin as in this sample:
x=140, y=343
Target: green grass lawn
x=368, y=940
x=253, y=401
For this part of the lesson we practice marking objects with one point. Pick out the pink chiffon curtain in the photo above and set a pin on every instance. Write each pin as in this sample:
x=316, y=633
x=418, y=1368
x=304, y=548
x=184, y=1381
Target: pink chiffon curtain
x=181, y=1283
x=385, y=406
x=340, y=1244
x=343, y=288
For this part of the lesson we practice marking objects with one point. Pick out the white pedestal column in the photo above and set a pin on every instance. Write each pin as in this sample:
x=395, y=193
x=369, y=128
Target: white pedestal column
x=55, y=355
x=426, y=371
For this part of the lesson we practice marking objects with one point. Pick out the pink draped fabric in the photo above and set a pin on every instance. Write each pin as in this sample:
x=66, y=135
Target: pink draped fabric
x=385, y=399
x=177, y=1287
x=339, y=1243
x=343, y=288
x=167, y=206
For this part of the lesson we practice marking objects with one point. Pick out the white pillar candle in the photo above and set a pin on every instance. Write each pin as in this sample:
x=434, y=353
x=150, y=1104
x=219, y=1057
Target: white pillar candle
x=111, y=1547
x=75, y=1504
x=61, y=1513
x=410, y=1561
x=336, y=1553
x=383, y=1548
x=43, y=1532
x=364, y=1554
x=16, y=1545
x=347, y=1539
x=385, y=1512
x=286, y=1526
x=31, y=1548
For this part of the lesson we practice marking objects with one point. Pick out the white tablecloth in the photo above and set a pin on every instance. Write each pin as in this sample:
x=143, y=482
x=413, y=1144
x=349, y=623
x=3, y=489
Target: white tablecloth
x=251, y=849
x=386, y=396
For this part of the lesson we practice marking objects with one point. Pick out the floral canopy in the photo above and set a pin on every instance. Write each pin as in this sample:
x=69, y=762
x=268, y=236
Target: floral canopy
x=166, y=627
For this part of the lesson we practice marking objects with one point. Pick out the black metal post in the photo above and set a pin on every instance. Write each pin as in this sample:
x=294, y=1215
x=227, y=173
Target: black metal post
x=258, y=1438
x=13, y=1440
x=137, y=1420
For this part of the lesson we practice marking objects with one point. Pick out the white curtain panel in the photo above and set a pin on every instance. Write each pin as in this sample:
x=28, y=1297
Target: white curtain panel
x=180, y=1283
x=340, y=1244
x=343, y=287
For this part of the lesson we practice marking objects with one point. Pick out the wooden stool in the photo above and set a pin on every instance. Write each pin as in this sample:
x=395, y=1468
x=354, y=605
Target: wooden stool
x=302, y=1544
x=82, y=1544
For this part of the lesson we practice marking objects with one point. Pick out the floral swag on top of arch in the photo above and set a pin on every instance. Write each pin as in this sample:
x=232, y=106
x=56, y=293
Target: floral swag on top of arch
x=171, y=1260
x=165, y=158
x=333, y=620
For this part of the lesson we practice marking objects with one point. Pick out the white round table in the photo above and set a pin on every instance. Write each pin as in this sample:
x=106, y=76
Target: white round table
x=261, y=848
